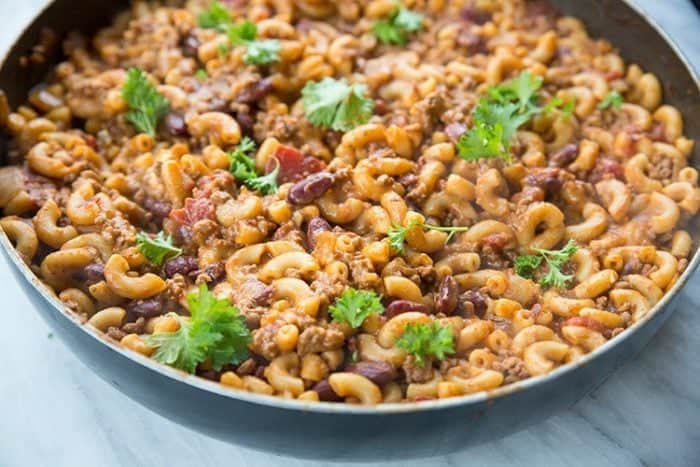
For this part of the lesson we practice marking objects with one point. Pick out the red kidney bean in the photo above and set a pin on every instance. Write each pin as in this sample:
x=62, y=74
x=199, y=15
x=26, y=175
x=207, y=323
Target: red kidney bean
x=311, y=188
x=404, y=306
x=477, y=300
x=315, y=227
x=180, y=265
x=326, y=392
x=148, y=308
x=190, y=44
x=378, y=372
x=91, y=274
x=564, y=156
x=474, y=15
x=446, y=300
x=245, y=121
x=159, y=209
x=253, y=93
x=175, y=124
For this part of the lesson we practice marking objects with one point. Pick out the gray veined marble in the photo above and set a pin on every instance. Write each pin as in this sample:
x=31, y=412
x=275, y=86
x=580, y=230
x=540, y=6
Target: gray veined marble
x=56, y=413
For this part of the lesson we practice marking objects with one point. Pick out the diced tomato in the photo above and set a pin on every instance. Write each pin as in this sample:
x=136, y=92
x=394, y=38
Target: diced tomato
x=193, y=211
x=294, y=166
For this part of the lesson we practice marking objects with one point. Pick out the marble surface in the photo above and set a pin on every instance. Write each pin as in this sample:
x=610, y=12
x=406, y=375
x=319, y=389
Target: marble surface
x=55, y=412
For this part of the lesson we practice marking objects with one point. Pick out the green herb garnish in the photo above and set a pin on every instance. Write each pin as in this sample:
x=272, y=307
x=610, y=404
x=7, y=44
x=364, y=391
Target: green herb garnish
x=146, y=105
x=242, y=166
x=425, y=341
x=397, y=234
x=401, y=24
x=157, y=249
x=217, y=332
x=201, y=74
x=614, y=99
x=354, y=306
x=336, y=104
x=526, y=265
x=497, y=118
x=214, y=17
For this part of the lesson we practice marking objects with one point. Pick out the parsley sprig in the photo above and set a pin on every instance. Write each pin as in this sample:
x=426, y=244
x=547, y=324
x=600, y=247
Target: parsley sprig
x=245, y=33
x=614, y=99
x=157, y=249
x=426, y=341
x=396, y=29
x=354, y=306
x=216, y=331
x=336, y=104
x=242, y=166
x=526, y=265
x=397, y=234
x=146, y=105
x=498, y=116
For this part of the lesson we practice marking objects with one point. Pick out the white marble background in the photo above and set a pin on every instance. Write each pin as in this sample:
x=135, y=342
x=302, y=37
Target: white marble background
x=54, y=412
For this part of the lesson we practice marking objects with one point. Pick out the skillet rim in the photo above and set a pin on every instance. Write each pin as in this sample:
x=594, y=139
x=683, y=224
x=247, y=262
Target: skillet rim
x=349, y=409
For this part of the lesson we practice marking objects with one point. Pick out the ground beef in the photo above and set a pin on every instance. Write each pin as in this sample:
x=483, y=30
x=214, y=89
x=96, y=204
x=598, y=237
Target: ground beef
x=252, y=297
x=316, y=339
x=416, y=373
x=264, y=342
x=513, y=368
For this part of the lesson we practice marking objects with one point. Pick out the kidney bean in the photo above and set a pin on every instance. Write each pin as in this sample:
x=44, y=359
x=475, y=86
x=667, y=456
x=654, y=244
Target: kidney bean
x=564, y=156
x=311, y=188
x=159, y=209
x=326, y=392
x=190, y=45
x=245, y=121
x=477, y=300
x=378, y=372
x=254, y=92
x=404, y=306
x=315, y=227
x=148, y=308
x=446, y=300
x=180, y=265
x=475, y=15
x=175, y=124
x=90, y=274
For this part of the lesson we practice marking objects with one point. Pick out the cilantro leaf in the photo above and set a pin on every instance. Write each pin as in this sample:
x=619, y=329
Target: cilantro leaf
x=522, y=90
x=354, y=306
x=614, y=99
x=336, y=104
x=157, y=249
x=397, y=234
x=425, y=341
x=180, y=349
x=214, y=17
x=242, y=166
x=146, y=105
x=265, y=184
x=262, y=52
x=555, y=259
x=201, y=74
x=216, y=331
x=243, y=32
x=398, y=27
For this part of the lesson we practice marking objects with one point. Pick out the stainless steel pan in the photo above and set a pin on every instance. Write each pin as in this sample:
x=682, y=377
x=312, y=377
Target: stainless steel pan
x=335, y=431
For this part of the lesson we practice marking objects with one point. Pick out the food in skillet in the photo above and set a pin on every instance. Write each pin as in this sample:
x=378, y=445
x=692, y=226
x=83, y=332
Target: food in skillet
x=359, y=201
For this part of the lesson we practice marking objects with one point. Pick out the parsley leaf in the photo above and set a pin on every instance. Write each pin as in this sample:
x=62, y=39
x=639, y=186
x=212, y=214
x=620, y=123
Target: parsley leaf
x=555, y=259
x=215, y=332
x=398, y=27
x=397, y=234
x=354, y=306
x=201, y=74
x=262, y=52
x=424, y=341
x=242, y=32
x=265, y=184
x=526, y=265
x=496, y=118
x=146, y=105
x=614, y=99
x=336, y=104
x=242, y=166
x=157, y=249
x=214, y=17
